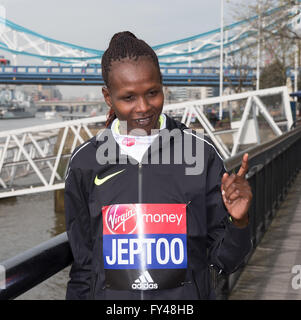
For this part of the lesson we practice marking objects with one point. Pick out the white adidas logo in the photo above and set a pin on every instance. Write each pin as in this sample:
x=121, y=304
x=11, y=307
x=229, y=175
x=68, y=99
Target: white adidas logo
x=144, y=282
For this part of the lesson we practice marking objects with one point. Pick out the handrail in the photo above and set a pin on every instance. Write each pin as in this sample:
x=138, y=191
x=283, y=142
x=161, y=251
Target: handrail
x=235, y=161
x=35, y=265
x=273, y=166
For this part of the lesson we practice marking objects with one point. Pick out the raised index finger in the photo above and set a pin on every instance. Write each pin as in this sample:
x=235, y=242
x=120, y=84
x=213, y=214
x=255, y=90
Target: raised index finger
x=244, y=166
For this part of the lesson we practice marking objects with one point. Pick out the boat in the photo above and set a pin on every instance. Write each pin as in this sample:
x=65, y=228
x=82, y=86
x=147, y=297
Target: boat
x=16, y=106
x=50, y=115
x=17, y=113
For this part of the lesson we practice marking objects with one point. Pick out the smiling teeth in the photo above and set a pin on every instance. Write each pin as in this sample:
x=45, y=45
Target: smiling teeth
x=141, y=121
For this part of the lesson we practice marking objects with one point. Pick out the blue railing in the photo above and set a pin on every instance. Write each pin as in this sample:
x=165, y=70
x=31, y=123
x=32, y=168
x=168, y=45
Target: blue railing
x=96, y=69
x=91, y=75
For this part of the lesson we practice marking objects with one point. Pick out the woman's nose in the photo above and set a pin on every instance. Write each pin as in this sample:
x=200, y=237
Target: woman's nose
x=142, y=105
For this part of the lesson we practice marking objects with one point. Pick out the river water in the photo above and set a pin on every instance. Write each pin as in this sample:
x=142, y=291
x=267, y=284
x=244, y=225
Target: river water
x=28, y=122
x=29, y=220
x=25, y=222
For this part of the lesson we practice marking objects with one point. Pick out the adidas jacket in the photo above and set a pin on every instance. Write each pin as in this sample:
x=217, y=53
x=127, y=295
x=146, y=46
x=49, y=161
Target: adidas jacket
x=149, y=230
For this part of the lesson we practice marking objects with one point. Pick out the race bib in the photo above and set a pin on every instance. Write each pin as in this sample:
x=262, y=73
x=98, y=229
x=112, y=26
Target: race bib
x=144, y=246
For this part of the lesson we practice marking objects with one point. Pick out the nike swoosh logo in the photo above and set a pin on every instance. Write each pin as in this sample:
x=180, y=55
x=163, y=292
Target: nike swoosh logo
x=99, y=182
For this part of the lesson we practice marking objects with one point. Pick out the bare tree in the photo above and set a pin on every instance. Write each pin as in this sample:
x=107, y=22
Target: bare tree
x=273, y=25
x=240, y=66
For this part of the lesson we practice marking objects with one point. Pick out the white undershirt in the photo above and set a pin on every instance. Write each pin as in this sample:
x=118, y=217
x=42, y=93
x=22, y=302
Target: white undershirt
x=135, y=146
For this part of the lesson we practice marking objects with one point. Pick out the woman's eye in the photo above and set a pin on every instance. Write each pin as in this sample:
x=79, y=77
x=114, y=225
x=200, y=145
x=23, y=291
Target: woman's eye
x=128, y=98
x=153, y=93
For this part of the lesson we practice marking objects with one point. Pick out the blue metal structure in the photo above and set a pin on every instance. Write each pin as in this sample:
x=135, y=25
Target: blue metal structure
x=91, y=75
x=172, y=76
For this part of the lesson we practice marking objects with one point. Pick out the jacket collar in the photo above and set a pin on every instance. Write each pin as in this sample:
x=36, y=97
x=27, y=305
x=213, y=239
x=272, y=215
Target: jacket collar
x=157, y=146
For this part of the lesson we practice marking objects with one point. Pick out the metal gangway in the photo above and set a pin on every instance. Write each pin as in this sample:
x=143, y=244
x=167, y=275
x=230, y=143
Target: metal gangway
x=31, y=158
x=35, y=159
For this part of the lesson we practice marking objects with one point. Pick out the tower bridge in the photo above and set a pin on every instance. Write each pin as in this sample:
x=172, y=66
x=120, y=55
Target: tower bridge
x=195, y=51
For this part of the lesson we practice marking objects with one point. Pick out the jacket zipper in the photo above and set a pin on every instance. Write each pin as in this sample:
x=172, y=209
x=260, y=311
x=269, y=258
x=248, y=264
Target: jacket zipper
x=140, y=182
x=140, y=201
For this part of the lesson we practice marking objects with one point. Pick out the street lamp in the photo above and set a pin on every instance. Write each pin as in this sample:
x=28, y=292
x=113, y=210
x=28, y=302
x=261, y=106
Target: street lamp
x=221, y=61
x=258, y=47
x=296, y=27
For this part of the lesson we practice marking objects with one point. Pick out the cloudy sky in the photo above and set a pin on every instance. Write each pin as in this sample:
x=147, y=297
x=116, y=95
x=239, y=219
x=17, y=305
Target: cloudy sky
x=91, y=23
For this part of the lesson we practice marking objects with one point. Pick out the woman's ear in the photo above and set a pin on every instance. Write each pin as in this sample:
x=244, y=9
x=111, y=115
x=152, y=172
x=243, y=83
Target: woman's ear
x=107, y=96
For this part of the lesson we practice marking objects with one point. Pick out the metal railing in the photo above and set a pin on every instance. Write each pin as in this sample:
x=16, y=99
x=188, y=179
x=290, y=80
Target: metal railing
x=273, y=167
x=31, y=149
x=41, y=150
x=35, y=265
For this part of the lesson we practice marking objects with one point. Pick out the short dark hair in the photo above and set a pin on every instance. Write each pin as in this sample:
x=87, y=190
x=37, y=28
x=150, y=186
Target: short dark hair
x=126, y=45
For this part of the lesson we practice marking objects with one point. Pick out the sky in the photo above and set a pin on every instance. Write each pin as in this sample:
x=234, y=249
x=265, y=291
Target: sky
x=92, y=23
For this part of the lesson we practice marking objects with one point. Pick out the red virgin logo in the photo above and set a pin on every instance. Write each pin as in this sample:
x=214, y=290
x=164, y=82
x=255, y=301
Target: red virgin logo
x=121, y=218
x=128, y=141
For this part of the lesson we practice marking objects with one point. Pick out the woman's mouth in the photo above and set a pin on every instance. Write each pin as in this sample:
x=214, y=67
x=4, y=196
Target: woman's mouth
x=142, y=122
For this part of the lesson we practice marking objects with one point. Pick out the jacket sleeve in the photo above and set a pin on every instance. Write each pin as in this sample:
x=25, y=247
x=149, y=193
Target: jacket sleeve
x=227, y=244
x=78, y=231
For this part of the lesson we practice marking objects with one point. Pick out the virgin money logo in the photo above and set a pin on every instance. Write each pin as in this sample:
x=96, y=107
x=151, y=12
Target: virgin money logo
x=121, y=218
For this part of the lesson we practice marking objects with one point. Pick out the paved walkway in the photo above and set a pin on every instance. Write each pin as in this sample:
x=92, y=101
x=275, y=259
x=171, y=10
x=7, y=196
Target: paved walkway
x=268, y=275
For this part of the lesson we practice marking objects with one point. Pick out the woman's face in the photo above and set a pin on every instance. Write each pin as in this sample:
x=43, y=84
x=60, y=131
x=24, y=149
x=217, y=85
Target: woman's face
x=135, y=93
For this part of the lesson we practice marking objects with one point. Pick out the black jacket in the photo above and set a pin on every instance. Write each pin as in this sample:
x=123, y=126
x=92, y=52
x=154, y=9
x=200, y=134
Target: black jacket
x=186, y=226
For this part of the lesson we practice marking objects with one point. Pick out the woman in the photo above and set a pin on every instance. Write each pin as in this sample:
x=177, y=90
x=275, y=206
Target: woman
x=149, y=207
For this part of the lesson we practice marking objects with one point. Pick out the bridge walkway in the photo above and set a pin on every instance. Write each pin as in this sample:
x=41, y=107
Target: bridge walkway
x=268, y=274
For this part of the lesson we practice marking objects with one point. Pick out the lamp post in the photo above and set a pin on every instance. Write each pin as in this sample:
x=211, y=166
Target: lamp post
x=221, y=61
x=258, y=47
x=258, y=63
x=296, y=71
